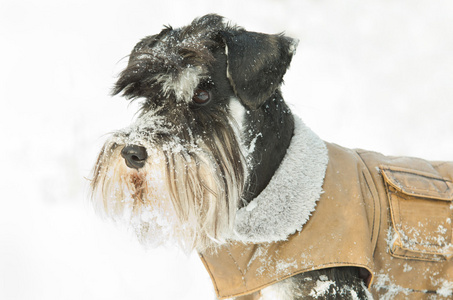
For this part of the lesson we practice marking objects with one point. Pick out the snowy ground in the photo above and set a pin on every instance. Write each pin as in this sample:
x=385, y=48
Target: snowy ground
x=370, y=74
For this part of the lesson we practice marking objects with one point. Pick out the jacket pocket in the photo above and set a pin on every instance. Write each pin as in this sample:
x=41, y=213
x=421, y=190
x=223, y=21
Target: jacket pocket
x=421, y=214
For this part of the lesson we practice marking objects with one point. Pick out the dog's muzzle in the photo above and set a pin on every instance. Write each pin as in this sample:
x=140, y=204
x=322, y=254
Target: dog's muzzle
x=134, y=156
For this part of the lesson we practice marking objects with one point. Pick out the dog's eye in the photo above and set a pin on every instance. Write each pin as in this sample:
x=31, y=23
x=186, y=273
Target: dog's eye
x=201, y=96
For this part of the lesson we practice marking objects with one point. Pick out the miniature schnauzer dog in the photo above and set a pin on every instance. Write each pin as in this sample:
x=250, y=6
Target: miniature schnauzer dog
x=212, y=130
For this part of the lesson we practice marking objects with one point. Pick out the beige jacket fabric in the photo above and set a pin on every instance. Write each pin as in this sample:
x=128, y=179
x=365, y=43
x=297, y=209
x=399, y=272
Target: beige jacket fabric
x=389, y=215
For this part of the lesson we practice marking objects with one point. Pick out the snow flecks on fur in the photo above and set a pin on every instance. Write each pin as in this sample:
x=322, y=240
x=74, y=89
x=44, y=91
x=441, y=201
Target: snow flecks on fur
x=125, y=193
x=182, y=85
x=251, y=148
x=282, y=290
x=348, y=292
x=322, y=287
x=173, y=198
x=286, y=204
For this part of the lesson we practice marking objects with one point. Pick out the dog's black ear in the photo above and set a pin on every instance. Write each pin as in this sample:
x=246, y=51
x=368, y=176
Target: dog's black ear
x=257, y=63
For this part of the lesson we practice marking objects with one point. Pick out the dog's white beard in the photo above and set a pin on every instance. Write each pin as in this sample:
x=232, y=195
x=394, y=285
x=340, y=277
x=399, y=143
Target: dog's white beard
x=177, y=196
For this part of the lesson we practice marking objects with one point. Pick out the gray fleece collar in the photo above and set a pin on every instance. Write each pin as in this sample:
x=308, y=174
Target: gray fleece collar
x=286, y=204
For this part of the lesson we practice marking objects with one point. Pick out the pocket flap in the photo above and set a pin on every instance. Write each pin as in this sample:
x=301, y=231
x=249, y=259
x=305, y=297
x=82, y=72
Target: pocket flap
x=417, y=183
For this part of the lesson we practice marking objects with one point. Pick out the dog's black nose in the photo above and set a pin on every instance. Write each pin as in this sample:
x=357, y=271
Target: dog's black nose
x=135, y=156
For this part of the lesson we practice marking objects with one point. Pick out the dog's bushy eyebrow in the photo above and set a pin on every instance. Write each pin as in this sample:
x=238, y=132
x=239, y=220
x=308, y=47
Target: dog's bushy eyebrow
x=169, y=53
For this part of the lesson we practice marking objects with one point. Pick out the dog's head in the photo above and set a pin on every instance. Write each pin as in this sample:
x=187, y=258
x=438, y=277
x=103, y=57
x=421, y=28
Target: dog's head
x=180, y=171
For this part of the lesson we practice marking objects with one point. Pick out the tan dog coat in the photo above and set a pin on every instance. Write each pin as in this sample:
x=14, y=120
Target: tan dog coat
x=389, y=215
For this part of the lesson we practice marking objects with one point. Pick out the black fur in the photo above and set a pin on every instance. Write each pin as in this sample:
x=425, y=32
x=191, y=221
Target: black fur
x=257, y=63
x=346, y=279
x=272, y=125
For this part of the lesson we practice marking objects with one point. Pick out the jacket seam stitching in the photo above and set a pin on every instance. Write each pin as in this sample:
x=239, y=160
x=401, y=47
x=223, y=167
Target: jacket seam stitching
x=239, y=269
x=374, y=204
x=374, y=200
x=440, y=178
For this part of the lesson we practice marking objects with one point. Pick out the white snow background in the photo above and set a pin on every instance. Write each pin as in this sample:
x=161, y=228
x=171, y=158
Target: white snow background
x=371, y=74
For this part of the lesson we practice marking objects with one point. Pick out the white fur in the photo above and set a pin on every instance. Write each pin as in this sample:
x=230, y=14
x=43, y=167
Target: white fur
x=282, y=290
x=237, y=118
x=228, y=74
x=184, y=84
x=293, y=46
x=286, y=204
x=237, y=111
x=177, y=196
